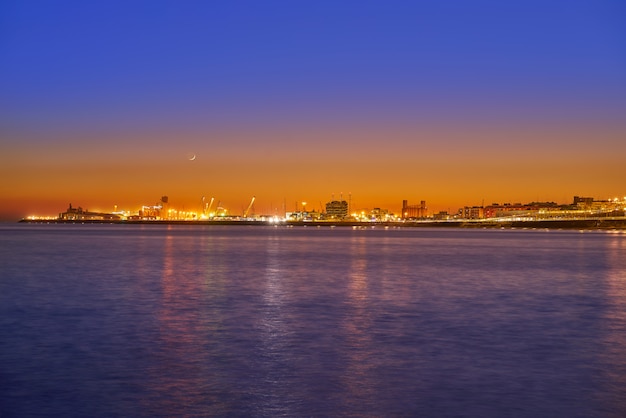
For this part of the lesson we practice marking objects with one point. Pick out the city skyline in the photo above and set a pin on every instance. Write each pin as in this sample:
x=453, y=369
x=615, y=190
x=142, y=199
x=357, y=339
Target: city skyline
x=338, y=209
x=456, y=104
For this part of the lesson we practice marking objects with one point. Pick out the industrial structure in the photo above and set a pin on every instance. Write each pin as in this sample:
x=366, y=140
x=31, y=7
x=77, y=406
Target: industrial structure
x=414, y=211
x=80, y=214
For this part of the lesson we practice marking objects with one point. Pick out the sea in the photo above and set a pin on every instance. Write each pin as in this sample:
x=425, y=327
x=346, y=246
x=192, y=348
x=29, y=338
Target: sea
x=108, y=320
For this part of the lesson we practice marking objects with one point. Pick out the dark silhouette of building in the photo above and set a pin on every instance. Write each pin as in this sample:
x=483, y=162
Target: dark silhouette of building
x=583, y=202
x=414, y=211
x=80, y=214
x=337, y=209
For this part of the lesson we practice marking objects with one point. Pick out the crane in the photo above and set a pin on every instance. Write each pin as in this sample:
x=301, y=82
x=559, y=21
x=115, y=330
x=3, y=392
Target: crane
x=208, y=210
x=245, y=213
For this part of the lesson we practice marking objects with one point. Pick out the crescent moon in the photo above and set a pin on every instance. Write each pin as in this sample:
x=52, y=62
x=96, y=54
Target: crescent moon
x=192, y=157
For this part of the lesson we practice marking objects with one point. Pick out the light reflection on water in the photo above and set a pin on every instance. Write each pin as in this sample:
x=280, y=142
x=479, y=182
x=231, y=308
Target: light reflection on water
x=167, y=321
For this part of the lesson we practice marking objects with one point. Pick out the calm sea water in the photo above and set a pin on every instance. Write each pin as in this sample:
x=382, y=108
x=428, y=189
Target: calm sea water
x=114, y=320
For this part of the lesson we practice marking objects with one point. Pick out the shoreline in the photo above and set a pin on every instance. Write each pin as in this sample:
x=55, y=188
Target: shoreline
x=587, y=223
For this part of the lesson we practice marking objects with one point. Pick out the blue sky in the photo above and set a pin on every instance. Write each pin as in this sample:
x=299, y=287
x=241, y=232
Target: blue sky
x=129, y=60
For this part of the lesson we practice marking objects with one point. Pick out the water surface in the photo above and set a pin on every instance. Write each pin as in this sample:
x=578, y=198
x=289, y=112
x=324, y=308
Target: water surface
x=153, y=320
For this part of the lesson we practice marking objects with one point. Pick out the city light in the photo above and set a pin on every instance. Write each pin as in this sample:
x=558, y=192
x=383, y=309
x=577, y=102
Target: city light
x=337, y=212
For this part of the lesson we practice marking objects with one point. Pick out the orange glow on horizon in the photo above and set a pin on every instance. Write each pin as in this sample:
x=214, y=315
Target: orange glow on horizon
x=448, y=168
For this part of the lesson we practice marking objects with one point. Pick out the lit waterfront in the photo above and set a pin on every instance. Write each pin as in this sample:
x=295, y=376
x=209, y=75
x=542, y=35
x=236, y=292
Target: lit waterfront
x=610, y=213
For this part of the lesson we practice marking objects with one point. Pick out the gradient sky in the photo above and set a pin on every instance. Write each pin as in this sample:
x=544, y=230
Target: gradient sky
x=452, y=102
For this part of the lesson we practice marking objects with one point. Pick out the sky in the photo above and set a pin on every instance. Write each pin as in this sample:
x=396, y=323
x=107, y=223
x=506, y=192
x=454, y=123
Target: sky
x=102, y=103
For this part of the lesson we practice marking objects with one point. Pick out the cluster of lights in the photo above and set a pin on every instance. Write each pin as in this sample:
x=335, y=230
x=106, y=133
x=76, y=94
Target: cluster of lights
x=155, y=212
x=371, y=217
x=275, y=220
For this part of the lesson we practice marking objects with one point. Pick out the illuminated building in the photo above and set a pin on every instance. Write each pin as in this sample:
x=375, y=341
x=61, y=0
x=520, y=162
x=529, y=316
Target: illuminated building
x=583, y=202
x=496, y=210
x=472, y=212
x=151, y=212
x=441, y=216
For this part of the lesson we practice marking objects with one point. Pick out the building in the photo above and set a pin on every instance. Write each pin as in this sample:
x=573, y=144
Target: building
x=80, y=214
x=583, y=202
x=442, y=216
x=496, y=210
x=472, y=212
x=337, y=209
x=151, y=212
x=534, y=209
x=414, y=211
x=379, y=215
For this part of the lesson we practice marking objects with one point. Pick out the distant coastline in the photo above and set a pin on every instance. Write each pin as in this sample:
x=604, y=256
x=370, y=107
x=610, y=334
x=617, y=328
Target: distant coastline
x=586, y=223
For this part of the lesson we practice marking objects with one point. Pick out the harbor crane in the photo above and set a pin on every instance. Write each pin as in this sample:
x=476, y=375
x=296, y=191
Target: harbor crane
x=208, y=210
x=245, y=213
